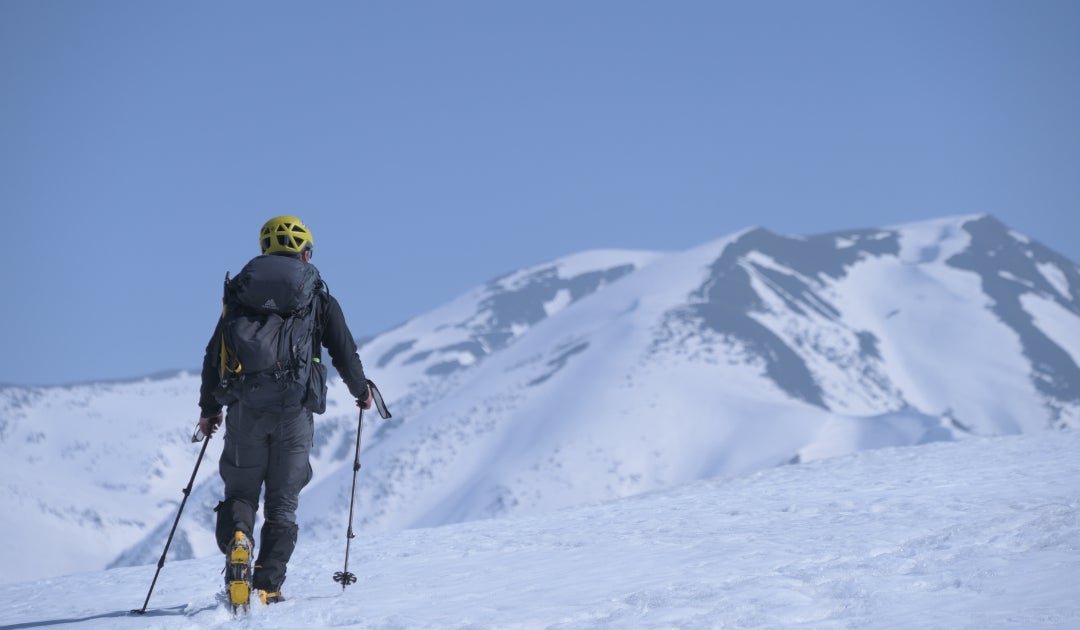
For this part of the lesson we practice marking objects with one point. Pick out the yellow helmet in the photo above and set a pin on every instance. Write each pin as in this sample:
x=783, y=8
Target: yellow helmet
x=284, y=234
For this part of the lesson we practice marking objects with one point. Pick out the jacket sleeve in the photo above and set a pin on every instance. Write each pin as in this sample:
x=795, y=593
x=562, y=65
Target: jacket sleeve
x=339, y=342
x=211, y=375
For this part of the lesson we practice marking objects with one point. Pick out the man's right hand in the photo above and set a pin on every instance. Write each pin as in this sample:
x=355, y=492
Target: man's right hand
x=209, y=425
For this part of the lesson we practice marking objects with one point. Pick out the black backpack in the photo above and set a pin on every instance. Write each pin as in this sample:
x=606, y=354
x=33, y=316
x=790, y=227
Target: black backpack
x=270, y=355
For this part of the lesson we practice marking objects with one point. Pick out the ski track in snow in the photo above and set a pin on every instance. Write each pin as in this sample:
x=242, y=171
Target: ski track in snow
x=983, y=533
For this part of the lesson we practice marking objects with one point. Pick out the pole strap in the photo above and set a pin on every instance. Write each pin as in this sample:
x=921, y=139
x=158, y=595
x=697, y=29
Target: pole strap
x=380, y=404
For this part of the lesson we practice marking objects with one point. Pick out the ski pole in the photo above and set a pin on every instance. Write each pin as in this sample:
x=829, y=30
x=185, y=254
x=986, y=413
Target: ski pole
x=344, y=577
x=195, y=437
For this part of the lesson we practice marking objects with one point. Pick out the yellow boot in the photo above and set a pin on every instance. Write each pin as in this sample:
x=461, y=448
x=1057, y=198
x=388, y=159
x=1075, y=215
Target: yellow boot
x=238, y=572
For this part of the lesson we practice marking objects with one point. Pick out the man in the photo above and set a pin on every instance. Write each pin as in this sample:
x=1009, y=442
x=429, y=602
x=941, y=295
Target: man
x=271, y=398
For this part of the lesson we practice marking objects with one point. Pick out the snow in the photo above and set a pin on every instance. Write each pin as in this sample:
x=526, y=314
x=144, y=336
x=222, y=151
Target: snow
x=431, y=338
x=933, y=240
x=841, y=435
x=983, y=533
x=1020, y=237
x=1056, y=322
x=570, y=266
x=559, y=302
x=583, y=262
x=1056, y=277
x=70, y=456
x=1013, y=278
x=916, y=307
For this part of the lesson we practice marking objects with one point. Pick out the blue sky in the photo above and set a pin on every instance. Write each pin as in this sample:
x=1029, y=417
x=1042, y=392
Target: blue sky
x=432, y=146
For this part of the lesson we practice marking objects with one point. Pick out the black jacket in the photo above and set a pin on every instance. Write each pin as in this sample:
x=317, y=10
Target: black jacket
x=331, y=332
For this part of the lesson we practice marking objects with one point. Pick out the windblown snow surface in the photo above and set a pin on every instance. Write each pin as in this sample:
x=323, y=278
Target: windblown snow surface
x=980, y=533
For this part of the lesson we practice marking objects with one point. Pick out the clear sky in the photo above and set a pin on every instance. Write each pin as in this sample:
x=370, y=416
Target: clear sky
x=431, y=146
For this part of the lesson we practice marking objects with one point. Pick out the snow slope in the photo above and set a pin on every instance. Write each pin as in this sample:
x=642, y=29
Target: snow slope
x=95, y=468
x=980, y=534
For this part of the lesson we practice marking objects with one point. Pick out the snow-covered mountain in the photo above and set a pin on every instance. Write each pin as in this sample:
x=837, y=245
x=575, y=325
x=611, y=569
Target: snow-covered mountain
x=596, y=376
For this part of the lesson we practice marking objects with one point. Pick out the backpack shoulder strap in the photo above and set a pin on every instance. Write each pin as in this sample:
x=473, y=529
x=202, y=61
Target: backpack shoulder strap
x=318, y=305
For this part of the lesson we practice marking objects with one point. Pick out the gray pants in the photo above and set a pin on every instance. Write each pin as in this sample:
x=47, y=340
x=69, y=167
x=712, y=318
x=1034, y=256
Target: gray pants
x=264, y=447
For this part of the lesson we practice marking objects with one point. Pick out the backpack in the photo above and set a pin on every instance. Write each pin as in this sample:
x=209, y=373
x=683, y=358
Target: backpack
x=270, y=354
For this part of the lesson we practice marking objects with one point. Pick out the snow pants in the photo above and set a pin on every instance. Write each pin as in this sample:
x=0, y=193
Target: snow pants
x=264, y=447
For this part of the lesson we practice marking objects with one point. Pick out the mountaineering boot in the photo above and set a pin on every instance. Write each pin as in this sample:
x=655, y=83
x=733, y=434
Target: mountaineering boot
x=267, y=594
x=238, y=572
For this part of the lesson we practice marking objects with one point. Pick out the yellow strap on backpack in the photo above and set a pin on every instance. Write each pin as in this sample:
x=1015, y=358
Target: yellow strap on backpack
x=229, y=361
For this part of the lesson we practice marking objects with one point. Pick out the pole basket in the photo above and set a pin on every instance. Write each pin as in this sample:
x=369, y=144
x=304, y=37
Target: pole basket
x=344, y=578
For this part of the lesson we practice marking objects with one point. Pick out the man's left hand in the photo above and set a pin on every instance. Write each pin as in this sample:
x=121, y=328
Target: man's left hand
x=365, y=404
